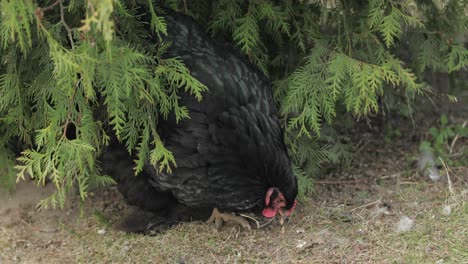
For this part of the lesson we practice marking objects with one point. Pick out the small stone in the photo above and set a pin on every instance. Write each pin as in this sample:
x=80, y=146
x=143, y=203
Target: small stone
x=125, y=249
x=101, y=231
x=300, y=231
x=301, y=244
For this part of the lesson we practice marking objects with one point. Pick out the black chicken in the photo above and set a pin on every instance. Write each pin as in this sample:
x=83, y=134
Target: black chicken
x=230, y=154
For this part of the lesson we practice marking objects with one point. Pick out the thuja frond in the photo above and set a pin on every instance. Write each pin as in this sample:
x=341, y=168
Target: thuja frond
x=15, y=23
x=277, y=19
x=158, y=25
x=365, y=80
x=304, y=86
x=14, y=108
x=177, y=75
x=304, y=181
x=161, y=158
x=7, y=164
x=389, y=19
x=99, y=15
x=457, y=58
x=225, y=16
x=311, y=154
x=428, y=52
x=246, y=34
x=65, y=164
x=123, y=75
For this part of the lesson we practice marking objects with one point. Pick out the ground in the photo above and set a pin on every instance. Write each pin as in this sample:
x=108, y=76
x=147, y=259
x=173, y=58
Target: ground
x=379, y=210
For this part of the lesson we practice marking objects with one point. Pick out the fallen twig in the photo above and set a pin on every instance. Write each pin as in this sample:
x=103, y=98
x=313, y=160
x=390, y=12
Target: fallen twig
x=407, y=182
x=39, y=229
x=338, y=182
x=214, y=257
x=449, y=181
x=267, y=222
x=258, y=222
x=367, y=205
x=363, y=146
x=457, y=136
x=251, y=218
x=390, y=176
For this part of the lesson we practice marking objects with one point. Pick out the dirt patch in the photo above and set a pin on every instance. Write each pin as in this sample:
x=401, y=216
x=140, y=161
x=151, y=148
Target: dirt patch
x=22, y=201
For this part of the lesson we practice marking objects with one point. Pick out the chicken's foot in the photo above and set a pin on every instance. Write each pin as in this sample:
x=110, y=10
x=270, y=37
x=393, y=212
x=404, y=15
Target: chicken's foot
x=218, y=218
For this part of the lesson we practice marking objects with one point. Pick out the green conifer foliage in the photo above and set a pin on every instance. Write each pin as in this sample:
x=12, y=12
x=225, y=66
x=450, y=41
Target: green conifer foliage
x=71, y=70
x=75, y=67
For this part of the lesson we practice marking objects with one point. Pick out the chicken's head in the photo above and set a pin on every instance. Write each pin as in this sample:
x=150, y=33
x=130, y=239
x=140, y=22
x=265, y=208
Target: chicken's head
x=277, y=204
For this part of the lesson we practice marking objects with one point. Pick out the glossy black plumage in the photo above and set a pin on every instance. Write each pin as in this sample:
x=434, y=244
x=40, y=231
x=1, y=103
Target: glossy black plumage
x=230, y=151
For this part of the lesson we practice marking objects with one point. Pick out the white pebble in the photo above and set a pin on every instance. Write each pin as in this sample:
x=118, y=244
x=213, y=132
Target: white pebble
x=300, y=230
x=101, y=231
x=301, y=244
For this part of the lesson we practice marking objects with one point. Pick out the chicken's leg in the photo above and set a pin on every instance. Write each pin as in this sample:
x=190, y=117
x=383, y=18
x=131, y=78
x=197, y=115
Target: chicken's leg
x=218, y=218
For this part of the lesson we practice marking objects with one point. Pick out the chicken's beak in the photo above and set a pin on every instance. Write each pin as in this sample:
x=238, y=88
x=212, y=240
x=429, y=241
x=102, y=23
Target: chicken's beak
x=282, y=217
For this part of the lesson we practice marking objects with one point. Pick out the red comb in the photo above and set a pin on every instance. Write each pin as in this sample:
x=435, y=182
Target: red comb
x=268, y=194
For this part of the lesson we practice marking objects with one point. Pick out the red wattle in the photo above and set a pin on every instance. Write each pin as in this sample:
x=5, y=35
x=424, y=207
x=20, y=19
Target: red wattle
x=269, y=213
x=290, y=211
